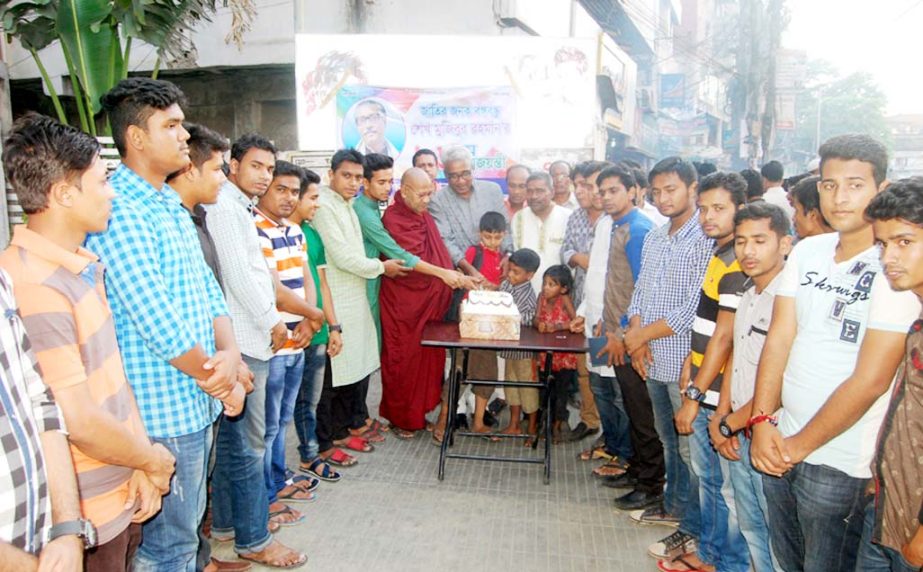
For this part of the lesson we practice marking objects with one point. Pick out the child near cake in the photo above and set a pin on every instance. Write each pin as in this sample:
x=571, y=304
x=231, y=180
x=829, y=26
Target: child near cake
x=555, y=313
x=518, y=365
x=485, y=258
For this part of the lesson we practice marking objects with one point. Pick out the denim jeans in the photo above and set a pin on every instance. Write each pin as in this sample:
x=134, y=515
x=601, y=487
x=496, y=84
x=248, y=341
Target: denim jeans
x=171, y=538
x=752, y=512
x=282, y=387
x=720, y=541
x=312, y=384
x=815, y=518
x=238, y=506
x=680, y=499
x=612, y=416
x=875, y=557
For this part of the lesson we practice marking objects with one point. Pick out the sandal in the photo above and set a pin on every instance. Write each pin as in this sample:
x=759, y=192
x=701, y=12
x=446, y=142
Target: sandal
x=303, y=482
x=595, y=454
x=667, y=565
x=379, y=427
x=294, y=493
x=403, y=434
x=319, y=469
x=613, y=468
x=357, y=444
x=279, y=560
x=286, y=511
x=340, y=458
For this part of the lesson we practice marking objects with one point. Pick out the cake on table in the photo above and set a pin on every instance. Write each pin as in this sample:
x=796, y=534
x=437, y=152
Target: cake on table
x=489, y=315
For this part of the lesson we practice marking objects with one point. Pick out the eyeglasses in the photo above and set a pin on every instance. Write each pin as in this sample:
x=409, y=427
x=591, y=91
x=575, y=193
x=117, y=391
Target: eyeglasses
x=372, y=117
x=457, y=176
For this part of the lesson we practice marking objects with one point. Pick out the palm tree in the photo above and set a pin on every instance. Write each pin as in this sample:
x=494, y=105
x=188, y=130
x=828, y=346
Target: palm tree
x=96, y=36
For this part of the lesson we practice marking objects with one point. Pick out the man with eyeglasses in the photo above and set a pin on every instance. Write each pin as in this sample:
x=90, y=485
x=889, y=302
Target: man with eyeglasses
x=371, y=121
x=458, y=209
x=560, y=177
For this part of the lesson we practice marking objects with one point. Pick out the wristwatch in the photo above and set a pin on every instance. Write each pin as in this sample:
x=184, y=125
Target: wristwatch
x=81, y=528
x=694, y=393
x=724, y=428
x=336, y=328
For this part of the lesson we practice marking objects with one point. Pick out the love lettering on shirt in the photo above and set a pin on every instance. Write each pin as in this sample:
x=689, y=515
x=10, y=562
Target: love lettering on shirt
x=847, y=289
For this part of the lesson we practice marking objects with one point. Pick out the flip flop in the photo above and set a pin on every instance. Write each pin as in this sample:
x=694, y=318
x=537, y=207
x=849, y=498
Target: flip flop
x=305, y=483
x=379, y=426
x=294, y=493
x=302, y=560
x=594, y=454
x=286, y=510
x=402, y=434
x=667, y=565
x=612, y=468
x=340, y=458
x=358, y=444
x=320, y=469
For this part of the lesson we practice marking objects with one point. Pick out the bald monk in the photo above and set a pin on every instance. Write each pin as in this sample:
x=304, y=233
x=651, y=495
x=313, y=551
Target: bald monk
x=411, y=375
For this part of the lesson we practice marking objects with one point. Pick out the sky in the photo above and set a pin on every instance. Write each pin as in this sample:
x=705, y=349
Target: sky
x=882, y=37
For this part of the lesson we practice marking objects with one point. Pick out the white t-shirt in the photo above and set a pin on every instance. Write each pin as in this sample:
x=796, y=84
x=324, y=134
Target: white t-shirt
x=835, y=304
x=652, y=213
x=594, y=287
x=777, y=196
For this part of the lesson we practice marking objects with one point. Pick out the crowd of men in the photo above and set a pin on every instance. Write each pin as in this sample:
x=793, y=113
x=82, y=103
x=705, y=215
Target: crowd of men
x=759, y=386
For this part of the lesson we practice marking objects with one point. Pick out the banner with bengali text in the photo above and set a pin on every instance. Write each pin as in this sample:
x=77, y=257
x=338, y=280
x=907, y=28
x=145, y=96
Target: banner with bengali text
x=399, y=121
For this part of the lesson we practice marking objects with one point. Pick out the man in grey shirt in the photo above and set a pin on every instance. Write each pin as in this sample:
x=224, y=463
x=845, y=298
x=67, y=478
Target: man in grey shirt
x=459, y=208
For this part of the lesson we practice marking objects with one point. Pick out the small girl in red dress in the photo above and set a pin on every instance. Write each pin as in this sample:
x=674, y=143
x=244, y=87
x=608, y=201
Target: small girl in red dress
x=554, y=314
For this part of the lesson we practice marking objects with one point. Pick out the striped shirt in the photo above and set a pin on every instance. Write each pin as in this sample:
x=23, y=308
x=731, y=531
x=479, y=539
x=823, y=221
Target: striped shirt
x=164, y=300
x=285, y=251
x=672, y=268
x=63, y=305
x=524, y=297
x=27, y=410
x=721, y=290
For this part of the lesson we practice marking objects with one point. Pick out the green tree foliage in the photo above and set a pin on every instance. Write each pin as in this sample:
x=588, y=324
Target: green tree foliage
x=848, y=104
x=95, y=37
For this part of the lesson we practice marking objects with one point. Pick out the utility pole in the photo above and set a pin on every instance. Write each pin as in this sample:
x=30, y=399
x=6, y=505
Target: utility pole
x=774, y=29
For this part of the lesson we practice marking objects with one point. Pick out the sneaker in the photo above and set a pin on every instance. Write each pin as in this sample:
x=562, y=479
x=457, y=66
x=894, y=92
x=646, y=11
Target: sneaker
x=654, y=515
x=674, y=545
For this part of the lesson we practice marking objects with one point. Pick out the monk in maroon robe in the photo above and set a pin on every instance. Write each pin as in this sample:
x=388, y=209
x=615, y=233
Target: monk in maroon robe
x=412, y=375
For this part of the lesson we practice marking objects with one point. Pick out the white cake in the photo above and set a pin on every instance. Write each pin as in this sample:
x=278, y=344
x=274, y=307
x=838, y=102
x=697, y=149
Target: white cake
x=488, y=315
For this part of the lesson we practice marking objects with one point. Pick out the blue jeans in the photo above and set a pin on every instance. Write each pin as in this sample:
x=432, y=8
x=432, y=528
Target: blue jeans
x=612, y=416
x=312, y=384
x=282, y=387
x=815, y=518
x=752, y=512
x=874, y=557
x=720, y=541
x=680, y=499
x=237, y=506
x=171, y=538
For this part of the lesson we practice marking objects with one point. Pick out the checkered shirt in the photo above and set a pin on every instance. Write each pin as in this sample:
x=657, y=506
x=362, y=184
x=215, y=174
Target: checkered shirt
x=672, y=271
x=164, y=299
x=27, y=409
x=578, y=238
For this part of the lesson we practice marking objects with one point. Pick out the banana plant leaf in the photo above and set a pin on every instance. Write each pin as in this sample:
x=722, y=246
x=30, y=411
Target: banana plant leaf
x=32, y=22
x=91, y=38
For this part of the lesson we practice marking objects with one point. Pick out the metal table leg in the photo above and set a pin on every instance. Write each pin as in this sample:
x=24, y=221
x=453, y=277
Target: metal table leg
x=549, y=416
x=450, y=416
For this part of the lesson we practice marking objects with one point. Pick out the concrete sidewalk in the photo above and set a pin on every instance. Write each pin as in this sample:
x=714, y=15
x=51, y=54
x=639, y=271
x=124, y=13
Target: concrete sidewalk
x=391, y=513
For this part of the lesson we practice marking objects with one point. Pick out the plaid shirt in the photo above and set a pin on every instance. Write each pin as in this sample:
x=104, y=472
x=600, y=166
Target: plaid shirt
x=524, y=297
x=27, y=410
x=164, y=299
x=672, y=271
x=578, y=238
